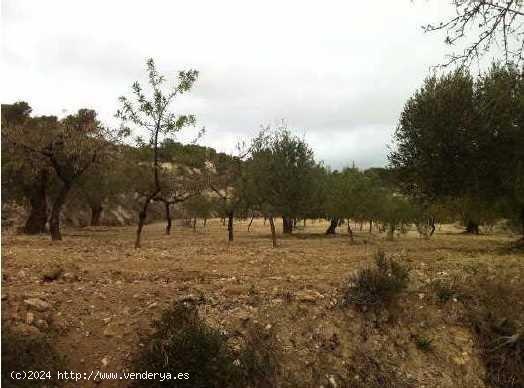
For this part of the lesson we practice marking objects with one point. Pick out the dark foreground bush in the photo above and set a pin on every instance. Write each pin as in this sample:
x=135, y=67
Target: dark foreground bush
x=496, y=312
x=378, y=286
x=21, y=352
x=183, y=342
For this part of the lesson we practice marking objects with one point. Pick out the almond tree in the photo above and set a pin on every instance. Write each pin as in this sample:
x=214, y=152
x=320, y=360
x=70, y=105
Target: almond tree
x=152, y=115
x=491, y=23
x=226, y=179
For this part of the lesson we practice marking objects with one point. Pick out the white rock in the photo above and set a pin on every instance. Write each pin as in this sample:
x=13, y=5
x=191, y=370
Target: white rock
x=37, y=304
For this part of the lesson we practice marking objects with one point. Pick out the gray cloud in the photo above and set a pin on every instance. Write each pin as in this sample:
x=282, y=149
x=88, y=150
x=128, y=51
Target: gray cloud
x=339, y=73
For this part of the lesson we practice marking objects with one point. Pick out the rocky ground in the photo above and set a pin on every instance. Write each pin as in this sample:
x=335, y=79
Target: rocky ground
x=96, y=295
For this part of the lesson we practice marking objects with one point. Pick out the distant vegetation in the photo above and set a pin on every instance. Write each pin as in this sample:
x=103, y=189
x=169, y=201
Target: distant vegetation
x=457, y=156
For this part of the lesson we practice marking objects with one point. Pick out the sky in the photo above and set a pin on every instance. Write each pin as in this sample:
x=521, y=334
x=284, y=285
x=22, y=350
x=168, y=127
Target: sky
x=337, y=72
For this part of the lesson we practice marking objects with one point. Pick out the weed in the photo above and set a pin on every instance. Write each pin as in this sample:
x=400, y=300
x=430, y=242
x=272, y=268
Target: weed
x=423, y=343
x=376, y=286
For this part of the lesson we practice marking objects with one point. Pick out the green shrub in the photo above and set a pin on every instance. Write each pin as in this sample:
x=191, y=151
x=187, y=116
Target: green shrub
x=21, y=352
x=183, y=342
x=376, y=287
x=444, y=291
x=423, y=343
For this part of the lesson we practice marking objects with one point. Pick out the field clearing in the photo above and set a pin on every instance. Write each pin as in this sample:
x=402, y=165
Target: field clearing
x=111, y=292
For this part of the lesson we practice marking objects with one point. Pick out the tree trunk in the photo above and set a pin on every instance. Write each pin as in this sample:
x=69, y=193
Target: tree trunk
x=194, y=224
x=205, y=221
x=472, y=227
x=370, y=226
x=432, y=226
x=332, y=229
x=350, y=232
x=304, y=223
x=522, y=221
x=230, y=235
x=250, y=222
x=223, y=221
x=35, y=224
x=168, y=217
x=287, y=225
x=96, y=214
x=391, y=232
x=273, y=232
x=54, y=220
x=141, y=221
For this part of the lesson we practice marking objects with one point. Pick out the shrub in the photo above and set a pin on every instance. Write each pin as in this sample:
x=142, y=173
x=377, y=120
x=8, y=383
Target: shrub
x=423, y=343
x=496, y=314
x=444, y=291
x=183, y=342
x=21, y=352
x=376, y=286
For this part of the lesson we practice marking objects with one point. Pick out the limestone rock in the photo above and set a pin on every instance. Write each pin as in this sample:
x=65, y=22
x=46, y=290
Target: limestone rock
x=37, y=304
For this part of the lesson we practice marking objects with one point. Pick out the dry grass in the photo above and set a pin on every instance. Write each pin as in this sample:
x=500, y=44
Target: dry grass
x=115, y=291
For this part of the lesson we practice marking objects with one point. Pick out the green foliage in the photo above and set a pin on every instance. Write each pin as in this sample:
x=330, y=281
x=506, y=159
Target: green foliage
x=280, y=174
x=460, y=141
x=376, y=287
x=444, y=291
x=423, y=343
x=182, y=341
x=435, y=138
x=199, y=206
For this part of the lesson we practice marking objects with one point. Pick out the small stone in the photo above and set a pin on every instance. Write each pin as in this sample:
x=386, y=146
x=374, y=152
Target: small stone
x=37, y=304
x=41, y=324
x=152, y=305
x=234, y=291
x=26, y=330
x=105, y=361
x=110, y=331
x=52, y=273
x=70, y=277
x=107, y=320
x=188, y=298
x=308, y=296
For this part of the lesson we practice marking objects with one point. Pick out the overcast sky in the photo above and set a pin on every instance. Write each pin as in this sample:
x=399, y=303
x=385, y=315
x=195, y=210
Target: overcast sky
x=338, y=72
